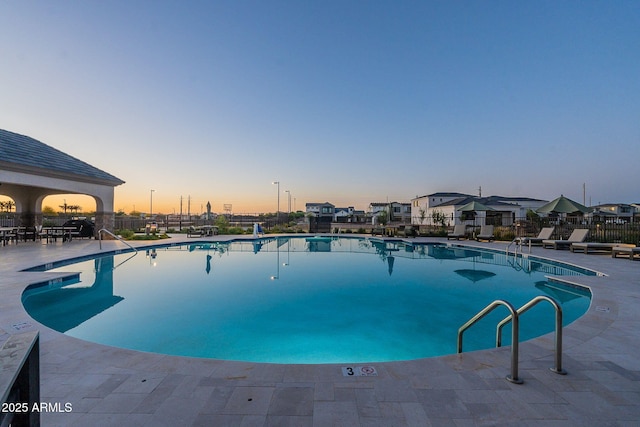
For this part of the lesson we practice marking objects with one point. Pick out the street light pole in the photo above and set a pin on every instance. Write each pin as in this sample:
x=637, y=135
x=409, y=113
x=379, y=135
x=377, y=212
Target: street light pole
x=151, y=205
x=278, y=211
x=289, y=197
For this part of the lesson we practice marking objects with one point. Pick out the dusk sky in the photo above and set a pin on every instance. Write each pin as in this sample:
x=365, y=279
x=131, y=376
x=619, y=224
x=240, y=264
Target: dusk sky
x=349, y=102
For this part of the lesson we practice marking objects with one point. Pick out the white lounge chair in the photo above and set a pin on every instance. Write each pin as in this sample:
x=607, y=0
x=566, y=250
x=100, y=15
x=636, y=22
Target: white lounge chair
x=589, y=247
x=459, y=231
x=625, y=250
x=578, y=235
x=486, y=233
x=545, y=234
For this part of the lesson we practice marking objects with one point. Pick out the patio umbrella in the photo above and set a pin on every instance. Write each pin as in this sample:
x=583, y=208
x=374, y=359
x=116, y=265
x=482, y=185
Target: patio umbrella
x=563, y=205
x=474, y=206
x=474, y=275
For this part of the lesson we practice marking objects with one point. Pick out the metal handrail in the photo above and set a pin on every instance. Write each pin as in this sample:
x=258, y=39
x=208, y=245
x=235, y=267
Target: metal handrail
x=114, y=236
x=514, y=335
x=518, y=243
x=558, y=343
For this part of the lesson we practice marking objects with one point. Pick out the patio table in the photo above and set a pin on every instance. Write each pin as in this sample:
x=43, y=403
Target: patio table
x=8, y=233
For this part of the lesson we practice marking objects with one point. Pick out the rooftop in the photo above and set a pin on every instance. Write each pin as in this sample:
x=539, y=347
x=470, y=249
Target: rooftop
x=25, y=154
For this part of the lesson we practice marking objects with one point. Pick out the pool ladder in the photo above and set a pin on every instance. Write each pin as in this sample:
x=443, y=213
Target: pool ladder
x=518, y=244
x=514, y=318
x=104, y=230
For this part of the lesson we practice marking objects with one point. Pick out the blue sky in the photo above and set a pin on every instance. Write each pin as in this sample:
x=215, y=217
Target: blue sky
x=343, y=101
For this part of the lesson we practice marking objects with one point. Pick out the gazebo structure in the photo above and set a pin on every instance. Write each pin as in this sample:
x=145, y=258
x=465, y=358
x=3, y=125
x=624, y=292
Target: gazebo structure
x=31, y=170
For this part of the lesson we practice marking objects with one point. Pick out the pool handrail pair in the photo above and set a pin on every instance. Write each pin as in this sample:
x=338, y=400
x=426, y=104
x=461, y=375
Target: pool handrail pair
x=515, y=332
x=104, y=230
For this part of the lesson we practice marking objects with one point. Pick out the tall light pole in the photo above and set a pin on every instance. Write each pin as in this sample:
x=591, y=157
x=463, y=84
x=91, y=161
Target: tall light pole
x=289, y=196
x=151, y=205
x=278, y=211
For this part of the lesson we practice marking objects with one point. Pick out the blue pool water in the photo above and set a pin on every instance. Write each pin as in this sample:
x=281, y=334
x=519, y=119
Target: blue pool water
x=300, y=300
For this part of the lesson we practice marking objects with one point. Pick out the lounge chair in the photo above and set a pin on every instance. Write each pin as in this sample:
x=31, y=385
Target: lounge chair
x=378, y=230
x=459, y=231
x=195, y=232
x=578, y=235
x=486, y=233
x=589, y=247
x=625, y=250
x=408, y=231
x=545, y=234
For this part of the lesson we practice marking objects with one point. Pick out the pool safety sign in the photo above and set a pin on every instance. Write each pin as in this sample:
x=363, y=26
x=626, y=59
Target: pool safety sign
x=359, y=371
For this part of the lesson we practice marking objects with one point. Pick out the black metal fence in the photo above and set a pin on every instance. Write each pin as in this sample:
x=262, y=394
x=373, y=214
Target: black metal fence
x=606, y=232
x=610, y=232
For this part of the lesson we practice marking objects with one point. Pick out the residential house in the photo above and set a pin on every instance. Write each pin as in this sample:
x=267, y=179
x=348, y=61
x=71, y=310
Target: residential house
x=325, y=209
x=420, y=205
x=344, y=214
x=396, y=211
x=618, y=213
x=320, y=216
x=503, y=210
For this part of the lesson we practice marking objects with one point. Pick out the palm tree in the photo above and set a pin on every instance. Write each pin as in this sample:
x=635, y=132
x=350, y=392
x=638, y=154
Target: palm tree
x=7, y=205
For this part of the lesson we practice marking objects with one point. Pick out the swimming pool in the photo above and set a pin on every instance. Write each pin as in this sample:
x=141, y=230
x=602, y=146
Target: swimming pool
x=299, y=300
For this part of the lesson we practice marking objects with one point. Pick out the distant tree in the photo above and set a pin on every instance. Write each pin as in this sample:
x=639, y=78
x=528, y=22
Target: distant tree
x=422, y=215
x=7, y=205
x=439, y=218
x=531, y=215
x=222, y=223
x=49, y=211
x=383, y=218
x=64, y=207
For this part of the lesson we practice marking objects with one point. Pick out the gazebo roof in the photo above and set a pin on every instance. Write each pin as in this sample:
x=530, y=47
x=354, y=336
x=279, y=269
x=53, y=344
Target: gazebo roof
x=25, y=154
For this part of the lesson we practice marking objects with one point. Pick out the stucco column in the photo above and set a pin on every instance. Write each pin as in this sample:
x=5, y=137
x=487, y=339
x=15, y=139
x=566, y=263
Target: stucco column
x=104, y=220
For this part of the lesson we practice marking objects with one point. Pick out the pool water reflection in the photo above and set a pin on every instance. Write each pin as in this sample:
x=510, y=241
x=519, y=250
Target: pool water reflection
x=300, y=300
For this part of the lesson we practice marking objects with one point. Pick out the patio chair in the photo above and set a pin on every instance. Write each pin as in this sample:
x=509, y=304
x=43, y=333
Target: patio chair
x=590, y=247
x=578, y=235
x=459, y=231
x=195, y=232
x=545, y=234
x=486, y=233
x=625, y=250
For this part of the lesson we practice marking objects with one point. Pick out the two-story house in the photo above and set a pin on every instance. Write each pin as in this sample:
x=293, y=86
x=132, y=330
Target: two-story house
x=501, y=210
x=320, y=216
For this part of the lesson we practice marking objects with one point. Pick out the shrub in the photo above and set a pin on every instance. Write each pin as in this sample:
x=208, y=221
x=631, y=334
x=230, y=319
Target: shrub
x=149, y=237
x=235, y=230
x=125, y=233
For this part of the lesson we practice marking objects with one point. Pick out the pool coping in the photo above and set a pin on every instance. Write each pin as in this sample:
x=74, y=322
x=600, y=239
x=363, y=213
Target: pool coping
x=108, y=385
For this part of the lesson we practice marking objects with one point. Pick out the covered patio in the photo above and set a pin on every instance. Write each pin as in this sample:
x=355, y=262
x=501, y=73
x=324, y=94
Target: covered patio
x=31, y=170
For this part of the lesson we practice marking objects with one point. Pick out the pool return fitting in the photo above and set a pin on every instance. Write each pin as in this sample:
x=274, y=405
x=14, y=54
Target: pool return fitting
x=514, y=318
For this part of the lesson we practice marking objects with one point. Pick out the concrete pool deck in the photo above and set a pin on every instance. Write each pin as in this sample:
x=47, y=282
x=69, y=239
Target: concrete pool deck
x=109, y=386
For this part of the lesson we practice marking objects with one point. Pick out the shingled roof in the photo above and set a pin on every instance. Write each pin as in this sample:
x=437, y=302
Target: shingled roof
x=24, y=154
